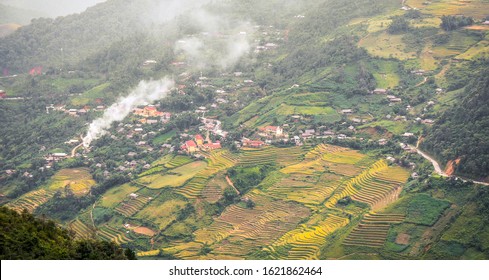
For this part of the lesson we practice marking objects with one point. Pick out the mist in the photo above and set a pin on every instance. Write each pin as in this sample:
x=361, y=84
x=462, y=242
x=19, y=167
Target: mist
x=146, y=92
x=221, y=43
x=53, y=8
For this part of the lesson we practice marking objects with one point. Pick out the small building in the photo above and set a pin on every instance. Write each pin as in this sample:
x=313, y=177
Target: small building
x=408, y=134
x=272, y=130
x=190, y=146
x=380, y=91
x=253, y=143
x=212, y=146
x=133, y=196
x=3, y=94
x=347, y=111
x=199, y=140
x=383, y=142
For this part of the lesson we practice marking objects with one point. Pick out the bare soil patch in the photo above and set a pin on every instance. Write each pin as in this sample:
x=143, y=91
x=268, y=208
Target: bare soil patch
x=403, y=239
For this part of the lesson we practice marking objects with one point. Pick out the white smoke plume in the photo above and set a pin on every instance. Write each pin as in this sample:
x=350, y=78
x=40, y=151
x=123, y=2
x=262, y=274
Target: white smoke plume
x=145, y=92
x=212, y=47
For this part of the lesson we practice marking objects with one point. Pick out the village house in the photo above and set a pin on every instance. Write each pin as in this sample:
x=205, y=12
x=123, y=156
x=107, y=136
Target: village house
x=199, y=140
x=276, y=131
x=149, y=62
x=252, y=143
x=382, y=142
x=190, y=146
x=3, y=94
x=347, y=111
x=212, y=146
x=380, y=91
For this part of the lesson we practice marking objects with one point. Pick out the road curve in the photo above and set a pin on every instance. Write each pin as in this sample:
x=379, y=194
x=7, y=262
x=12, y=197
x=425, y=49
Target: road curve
x=440, y=171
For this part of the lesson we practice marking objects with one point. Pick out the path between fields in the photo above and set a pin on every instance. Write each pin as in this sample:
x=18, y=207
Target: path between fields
x=231, y=184
x=423, y=82
x=91, y=214
x=440, y=171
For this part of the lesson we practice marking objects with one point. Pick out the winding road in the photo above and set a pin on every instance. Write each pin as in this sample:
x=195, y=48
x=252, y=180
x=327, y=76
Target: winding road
x=440, y=171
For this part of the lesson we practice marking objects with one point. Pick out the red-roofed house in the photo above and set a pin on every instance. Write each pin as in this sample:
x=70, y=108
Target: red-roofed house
x=253, y=143
x=190, y=146
x=273, y=130
x=199, y=140
x=212, y=146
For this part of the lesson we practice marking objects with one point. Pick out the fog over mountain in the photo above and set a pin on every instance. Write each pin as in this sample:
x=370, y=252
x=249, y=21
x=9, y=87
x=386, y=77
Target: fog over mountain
x=52, y=8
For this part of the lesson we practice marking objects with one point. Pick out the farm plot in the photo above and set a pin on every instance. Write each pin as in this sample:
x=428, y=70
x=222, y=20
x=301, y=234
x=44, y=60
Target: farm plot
x=381, y=188
x=306, y=241
x=78, y=179
x=31, y=200
x=214, y=188
x=372, y=230
x=218, y=161
x=267, y=155
x=350, y=188
x=81, y=229
x=174, y=177
x=304, y=192
x=240, y=231
x=109, y=233
x=161, y=211
x=133, y=204
x=115, y=195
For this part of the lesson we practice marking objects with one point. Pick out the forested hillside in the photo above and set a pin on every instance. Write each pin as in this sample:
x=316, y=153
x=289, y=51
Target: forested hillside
x=461, y=133
x=25, y=237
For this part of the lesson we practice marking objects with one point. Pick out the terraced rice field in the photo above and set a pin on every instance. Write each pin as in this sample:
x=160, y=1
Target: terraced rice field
x=251, y=157
x=131, y=206
x=177, y=161
x=215, y=188
x=175, y=177
x=219, y=160
x=81, y=229
x=305, y=242
x=31, y=200
x=382, y=187
x=79, y=179
x=351, y=187
x=372, y=230
x=240, y=231
x=300, y=191
x=109, y=233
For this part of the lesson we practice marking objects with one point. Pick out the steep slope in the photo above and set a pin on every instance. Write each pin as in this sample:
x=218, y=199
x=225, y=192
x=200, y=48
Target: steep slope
x=462, y=132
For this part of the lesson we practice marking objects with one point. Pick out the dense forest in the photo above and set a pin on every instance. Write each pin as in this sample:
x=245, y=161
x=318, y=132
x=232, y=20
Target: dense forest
x=25, y=237
x=462, y=132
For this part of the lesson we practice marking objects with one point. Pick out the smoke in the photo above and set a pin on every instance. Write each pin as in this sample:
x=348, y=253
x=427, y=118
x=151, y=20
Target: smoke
x=145, y=92
x=221, y=41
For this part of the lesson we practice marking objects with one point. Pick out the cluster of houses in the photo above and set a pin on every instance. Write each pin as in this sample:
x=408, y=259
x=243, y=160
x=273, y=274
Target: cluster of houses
x=73, y=112
x=151, y=115
x=213, y=126
x=198, y=143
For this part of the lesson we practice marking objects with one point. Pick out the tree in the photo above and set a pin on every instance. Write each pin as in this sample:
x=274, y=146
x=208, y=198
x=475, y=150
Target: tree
x=449, y=23
x=398, y=25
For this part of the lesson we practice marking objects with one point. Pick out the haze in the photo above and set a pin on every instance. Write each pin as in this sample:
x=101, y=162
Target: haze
x=52, y=8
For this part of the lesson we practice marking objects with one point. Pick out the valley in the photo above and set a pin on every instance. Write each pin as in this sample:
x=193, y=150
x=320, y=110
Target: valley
x=224, y=131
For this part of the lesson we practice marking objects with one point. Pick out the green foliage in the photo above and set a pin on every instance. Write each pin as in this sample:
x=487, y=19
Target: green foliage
x=398, y=25
x=462, y=132
x=449, y=23
x=425, y=210
x=24, y=237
